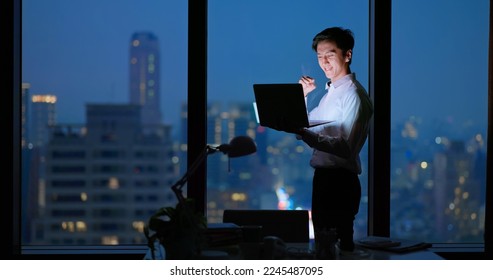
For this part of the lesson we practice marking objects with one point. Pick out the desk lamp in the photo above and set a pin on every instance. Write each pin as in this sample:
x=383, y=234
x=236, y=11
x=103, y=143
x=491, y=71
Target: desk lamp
x=181, y=233
x=237, y=147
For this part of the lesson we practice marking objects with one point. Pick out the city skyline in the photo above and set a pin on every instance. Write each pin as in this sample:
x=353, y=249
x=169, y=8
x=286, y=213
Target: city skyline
x=47, y=60
x=412, y=166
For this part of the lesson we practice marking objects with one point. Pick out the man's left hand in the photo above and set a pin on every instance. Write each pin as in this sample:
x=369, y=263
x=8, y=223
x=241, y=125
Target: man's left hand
x=286, y=126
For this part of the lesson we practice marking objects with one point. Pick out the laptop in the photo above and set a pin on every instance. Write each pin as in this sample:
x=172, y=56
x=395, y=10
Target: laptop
x=275, y=102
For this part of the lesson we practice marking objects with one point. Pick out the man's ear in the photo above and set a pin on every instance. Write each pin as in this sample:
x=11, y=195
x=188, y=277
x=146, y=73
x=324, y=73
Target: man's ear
x=349, y=55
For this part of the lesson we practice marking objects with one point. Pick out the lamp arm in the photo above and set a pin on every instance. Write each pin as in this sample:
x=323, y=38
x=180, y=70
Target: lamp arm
x=178, y=186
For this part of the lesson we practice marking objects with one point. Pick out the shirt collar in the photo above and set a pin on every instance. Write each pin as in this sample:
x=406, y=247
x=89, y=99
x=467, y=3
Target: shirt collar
x=348, y=77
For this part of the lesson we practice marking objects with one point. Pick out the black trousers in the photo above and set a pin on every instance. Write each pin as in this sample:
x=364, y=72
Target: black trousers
x=335, y=202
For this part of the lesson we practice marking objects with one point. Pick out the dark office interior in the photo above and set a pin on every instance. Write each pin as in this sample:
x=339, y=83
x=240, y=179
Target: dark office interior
x=379, y=139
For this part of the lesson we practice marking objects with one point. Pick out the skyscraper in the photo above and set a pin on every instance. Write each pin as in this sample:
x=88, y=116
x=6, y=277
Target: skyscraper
x=104, y=179
x=144, y=76
x=43, y=110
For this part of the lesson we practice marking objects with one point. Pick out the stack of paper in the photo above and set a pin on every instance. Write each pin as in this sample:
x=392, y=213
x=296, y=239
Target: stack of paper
x=392, y=244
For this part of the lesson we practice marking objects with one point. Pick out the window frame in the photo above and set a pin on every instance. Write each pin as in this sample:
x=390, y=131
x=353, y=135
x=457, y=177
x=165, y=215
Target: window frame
x=488, y=227
x=379, y=138
x=379, y=134
x=11, y=192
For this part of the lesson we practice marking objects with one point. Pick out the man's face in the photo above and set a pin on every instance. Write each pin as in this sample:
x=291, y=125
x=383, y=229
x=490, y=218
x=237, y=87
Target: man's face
x=333, y=62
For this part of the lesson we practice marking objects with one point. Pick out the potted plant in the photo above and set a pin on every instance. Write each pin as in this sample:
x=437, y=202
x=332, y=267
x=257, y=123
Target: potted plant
x=180, y=230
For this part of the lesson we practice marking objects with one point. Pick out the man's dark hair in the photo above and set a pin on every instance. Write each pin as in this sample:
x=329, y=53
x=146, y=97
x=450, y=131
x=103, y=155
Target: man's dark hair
x=343, y=38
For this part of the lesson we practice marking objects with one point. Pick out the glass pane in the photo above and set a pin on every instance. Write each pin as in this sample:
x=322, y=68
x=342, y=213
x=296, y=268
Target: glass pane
x=269, y=42
x=439, y=120
x=103, y=84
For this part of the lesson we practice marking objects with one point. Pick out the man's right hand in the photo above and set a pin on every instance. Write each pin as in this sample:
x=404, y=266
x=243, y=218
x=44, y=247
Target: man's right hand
x=308, y=84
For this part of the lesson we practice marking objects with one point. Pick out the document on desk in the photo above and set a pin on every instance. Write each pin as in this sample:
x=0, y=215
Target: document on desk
x=392, y=244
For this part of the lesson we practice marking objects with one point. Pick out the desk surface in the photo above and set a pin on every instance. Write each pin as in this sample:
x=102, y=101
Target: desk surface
x=305, y=251
x=423, y=254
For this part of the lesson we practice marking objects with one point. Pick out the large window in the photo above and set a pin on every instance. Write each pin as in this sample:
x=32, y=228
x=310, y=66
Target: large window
x=439, y=120
x=97, y=158
x=103, y=88
x=270, y=42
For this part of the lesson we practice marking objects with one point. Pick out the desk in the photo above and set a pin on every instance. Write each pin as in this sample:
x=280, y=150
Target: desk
x=305, y=251
x=424, y=254
x=277, y=249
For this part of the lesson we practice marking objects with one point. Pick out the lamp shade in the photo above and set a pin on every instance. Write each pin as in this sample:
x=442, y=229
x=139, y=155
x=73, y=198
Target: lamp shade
x=239, y=146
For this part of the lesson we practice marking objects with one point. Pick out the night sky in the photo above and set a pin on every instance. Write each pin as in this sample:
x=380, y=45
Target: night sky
x=79, y=49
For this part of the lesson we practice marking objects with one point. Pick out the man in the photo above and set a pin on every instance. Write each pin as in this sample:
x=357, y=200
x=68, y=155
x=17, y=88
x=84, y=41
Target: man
x=336, y=145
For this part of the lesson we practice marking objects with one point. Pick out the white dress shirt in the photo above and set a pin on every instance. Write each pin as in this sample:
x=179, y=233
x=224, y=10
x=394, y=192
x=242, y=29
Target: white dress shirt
x=337, y=144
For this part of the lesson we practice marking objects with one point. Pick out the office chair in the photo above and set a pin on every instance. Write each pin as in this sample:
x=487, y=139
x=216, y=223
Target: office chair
x=289, y=225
